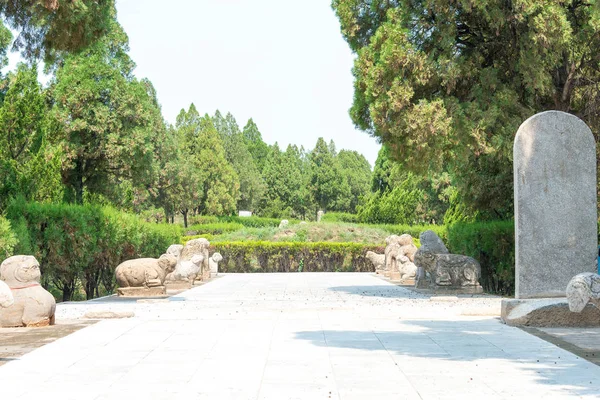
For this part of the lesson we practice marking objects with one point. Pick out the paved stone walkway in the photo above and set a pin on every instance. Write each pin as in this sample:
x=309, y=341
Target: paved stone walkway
x=301, y=336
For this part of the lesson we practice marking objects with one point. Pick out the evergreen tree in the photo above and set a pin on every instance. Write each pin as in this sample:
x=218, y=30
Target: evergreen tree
x=328, y=186
x=238, y=155
x=357, y=171
x=50, y=27
x=445, y=84
x=106, y=118
x=29, y=166
x=255, y=144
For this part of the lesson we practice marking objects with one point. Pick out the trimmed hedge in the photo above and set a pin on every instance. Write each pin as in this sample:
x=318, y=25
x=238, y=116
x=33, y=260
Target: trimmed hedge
x=294, y=257
x=493, y=245
x=82, y=245
x=340, y=217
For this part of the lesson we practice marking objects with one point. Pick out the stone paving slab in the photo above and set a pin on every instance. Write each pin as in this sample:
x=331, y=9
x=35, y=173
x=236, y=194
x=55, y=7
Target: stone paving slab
x=301, y=336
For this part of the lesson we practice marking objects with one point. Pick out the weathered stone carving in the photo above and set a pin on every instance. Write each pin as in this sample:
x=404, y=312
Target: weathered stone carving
x=447, y=271
x=175, y=250
x=378, y=261
x=144, y=276
x=6, y=297
x=399, y=256
x=197, y=247
x=284, y=223
x=188, y=270
x=320, y=215
x=430, y=243
x=583, y=289
x=33, y=305
x=214, y=261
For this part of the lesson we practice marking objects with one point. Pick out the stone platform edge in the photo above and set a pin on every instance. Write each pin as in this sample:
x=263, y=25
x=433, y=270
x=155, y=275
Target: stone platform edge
x=547, y=313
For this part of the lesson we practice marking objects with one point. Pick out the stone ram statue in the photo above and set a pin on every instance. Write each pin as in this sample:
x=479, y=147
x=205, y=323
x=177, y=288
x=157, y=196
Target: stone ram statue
x=33, y=306
x=583, y=289
x=378, y=261
x=144, y=276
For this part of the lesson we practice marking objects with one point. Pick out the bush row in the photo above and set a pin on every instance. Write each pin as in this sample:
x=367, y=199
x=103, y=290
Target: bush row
x=80, y=246
x=340, y=217
x=294, y=257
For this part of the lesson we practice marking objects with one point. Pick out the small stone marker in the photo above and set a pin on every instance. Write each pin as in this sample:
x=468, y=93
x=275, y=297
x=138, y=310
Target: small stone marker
x=555, y=203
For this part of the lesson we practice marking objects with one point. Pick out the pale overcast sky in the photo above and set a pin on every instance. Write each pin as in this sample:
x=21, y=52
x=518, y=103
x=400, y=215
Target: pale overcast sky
x=282, y=63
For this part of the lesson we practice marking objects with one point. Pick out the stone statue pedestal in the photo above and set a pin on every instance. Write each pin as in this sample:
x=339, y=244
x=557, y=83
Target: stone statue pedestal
x=157, y=291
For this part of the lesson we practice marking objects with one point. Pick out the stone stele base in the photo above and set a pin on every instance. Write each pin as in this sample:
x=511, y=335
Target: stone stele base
x=552, y=312
x=157, y=291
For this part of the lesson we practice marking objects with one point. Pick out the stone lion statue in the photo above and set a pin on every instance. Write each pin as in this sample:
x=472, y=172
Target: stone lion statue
x=33, y=305
x=6, y=297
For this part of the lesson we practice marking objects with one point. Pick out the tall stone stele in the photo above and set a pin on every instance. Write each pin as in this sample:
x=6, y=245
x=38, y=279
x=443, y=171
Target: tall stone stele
x=555, y=204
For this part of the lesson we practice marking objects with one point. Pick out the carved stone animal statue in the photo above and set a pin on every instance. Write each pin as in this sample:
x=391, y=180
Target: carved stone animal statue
x=32, y=305
x=399, y=256
x=583, y=289
x=145, y=272
x=447, y=270
x=214, y=261
x=6, y=297
x=197, y=247
x=378, y=261
x=284, y=223
x=188, y=270
x=175, y=249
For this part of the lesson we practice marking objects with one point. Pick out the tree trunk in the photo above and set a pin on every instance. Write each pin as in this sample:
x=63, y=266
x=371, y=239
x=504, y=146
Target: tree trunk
x=185, y=217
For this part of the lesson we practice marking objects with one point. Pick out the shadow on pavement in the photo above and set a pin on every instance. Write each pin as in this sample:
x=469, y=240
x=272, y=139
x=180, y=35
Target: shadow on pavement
x=443, y=347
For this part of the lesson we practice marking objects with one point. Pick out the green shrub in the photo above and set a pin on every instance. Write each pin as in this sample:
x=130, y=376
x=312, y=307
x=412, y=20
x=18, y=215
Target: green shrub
x=8, y=239
x=294, y=257
x=493, y=245
x=80, y=246
x=213, y=229
x=340, y=217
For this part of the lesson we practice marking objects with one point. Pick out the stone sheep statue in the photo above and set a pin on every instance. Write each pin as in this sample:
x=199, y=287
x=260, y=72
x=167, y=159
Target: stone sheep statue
x=214, y=263
x=144, y=276
x=583, y=289
x=33, y=306
x=378, y=261
x=284, y=223
x=450, y=271
x=6, y=297
x=188, y=270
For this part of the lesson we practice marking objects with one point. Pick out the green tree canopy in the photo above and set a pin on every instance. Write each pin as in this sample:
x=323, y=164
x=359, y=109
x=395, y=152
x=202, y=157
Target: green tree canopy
x=50, y=27
x=357, y=171
x=255, y=144
x=328, y=186
x=107, y=118
x=445, y=84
